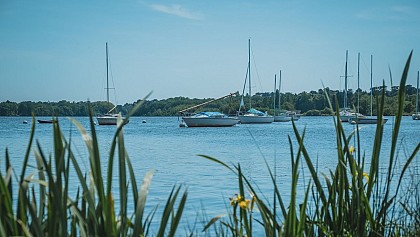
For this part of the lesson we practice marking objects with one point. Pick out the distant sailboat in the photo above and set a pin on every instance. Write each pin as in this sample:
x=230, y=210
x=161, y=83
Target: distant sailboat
x=108, y=118
x=207, y=119
x=416, y=116
x=346, y=114
x=368, y=119
x=252, y=115
x=280, y=116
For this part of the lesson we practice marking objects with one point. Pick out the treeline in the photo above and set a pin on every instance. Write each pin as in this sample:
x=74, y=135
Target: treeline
x=309, y=103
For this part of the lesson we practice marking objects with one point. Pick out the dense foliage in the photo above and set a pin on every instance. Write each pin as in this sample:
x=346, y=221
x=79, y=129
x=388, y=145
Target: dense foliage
x=310, y=103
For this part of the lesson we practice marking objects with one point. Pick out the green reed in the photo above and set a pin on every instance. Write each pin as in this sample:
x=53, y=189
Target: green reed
x=92, y=212
x=346, y=202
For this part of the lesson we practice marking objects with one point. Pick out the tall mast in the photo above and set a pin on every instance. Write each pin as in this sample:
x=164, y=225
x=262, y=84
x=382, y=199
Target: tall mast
x=107, y=83
x=345, y=83
x=249, y=71
x=371, y=86
x=358, y=85
x=274, y=97
x=279, y=90
x=417, y=94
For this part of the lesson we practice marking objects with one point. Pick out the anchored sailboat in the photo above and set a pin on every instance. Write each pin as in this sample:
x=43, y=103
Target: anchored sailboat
x=252, y=115
x=280, y=116
x=207, y=119
x=368, y=119
x=109, y=118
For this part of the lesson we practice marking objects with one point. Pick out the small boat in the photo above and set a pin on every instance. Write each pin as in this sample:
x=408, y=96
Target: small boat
x=252, y=115
x=416, y=116
x=346, y=115
x=108, y=118
x=368, y=119
x=46, y=121
x=255, y=116
x=280, y=116
x=25, y=122
x=295, y=115
x=207, y=119
x=210, y=119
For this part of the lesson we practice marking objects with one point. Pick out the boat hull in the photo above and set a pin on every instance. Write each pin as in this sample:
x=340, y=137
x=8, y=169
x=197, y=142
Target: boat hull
x=416, y=116
x=108, y=120
x=252, y=119
x=210, y=122
x=347, y=116
x=282, y=118
x=366, y=120
x=46, y=121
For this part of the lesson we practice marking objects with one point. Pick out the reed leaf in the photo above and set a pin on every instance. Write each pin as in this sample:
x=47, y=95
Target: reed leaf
x=175, y=221
x=141, y=204
x=169, y=207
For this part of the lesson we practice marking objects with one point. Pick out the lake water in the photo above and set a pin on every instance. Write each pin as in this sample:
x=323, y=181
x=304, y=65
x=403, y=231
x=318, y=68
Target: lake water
x=172, y=152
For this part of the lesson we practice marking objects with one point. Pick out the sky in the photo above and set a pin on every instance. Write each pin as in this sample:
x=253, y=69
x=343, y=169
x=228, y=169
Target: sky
x=55, y=50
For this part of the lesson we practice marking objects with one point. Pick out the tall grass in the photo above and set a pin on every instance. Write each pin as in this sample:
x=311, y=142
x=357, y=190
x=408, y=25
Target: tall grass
x=51, y=211
x=349, y=201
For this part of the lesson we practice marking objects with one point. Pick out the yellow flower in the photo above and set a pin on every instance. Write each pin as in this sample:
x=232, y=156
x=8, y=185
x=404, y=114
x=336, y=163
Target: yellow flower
x=351, y=149
x=243, y=204
x=366, y=176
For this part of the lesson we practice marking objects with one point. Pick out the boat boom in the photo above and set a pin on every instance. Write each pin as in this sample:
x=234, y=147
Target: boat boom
x=210, y=101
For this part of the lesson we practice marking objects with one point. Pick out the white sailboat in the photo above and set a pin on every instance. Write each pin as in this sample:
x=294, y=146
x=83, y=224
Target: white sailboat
x=345, y=113
x=252, y=115
x=207, y=119
x=416, y=116
x=280, y=116
x=368, y=119
x=109, y=118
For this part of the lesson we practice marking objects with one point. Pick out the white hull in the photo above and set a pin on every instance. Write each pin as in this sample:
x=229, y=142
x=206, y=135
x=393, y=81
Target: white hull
x=210, y=122
x=251, y=118
x=282, y=118
x=366, y=120
x=108, y=119
x=416, y=116
x=295, y=117
x=346, y=116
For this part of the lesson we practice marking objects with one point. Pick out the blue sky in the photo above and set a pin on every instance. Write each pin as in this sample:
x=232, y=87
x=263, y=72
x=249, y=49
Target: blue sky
x=55, y=50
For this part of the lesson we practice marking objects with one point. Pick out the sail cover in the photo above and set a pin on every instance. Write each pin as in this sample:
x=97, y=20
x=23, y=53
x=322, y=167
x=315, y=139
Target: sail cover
x=254, y=111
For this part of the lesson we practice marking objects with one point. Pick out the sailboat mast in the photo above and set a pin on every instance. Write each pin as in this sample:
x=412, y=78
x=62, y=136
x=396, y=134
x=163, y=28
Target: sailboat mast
x=279, y=90
x=417, y=94
x=358, y=82
x=107, y=82
x=371, y=86
x=274, y=97
x=345, y=83
x=249, y=71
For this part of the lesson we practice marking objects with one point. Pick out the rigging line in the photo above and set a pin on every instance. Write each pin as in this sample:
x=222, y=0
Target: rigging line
x=256, y=70
x=112, y=80
x=243, y=90
x=366, y=67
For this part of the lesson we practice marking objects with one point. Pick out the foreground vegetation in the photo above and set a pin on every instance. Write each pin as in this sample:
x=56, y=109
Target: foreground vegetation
x=354, y=199
x=309, y=103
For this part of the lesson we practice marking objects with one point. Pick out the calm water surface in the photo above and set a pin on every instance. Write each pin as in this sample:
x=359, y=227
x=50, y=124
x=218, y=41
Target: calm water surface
x=172, y=152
